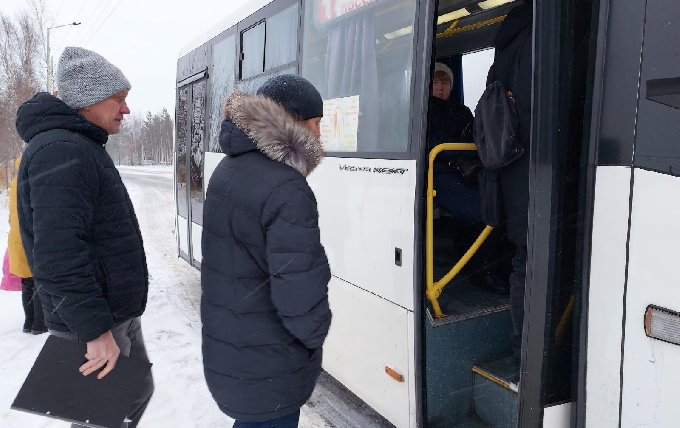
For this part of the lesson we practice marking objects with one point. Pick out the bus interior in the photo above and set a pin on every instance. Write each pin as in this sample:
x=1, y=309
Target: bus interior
x=471, y=377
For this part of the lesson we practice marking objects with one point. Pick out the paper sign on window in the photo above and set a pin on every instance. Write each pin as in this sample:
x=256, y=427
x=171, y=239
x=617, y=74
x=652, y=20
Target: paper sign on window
x=340, y=124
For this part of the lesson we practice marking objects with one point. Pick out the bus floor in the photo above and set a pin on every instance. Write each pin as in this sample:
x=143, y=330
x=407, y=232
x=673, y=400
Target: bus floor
x=467, y=347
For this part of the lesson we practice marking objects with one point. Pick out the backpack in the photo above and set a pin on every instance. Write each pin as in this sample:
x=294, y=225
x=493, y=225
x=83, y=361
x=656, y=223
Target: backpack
x=496, y=135
x=496, y=126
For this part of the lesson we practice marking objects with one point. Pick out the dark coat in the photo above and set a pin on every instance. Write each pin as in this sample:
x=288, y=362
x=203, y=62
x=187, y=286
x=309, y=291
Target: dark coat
x=513, y=67
x=448, y=122
x=264, y=272
x=78, y=226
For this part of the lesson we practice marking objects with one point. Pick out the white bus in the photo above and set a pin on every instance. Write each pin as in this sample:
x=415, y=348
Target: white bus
x=601, y=330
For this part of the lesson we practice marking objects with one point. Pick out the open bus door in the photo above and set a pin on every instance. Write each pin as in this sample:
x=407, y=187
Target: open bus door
x=467, y=375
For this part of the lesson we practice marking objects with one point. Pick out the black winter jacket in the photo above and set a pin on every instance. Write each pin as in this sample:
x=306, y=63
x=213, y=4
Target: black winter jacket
x=514, y=56
x=78, y=226
x=264, y=272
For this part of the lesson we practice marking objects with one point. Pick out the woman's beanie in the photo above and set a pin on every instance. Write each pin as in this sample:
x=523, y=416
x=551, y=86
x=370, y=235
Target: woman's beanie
x=296, y=94
x=85, y=78
x=438, y=66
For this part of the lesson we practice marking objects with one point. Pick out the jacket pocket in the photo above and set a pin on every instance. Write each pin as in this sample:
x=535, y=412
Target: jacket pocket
x=102, y=278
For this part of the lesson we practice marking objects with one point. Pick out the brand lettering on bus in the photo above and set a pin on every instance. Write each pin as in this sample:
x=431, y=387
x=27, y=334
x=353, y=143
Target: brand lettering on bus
x=328, y=10
x=376, y=170
x=400, y=171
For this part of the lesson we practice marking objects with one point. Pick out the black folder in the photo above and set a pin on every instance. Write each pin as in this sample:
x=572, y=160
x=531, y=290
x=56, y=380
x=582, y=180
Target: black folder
x=55, y=388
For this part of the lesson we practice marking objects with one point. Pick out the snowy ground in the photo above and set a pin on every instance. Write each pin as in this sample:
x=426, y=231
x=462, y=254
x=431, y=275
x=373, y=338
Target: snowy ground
x=171, y=326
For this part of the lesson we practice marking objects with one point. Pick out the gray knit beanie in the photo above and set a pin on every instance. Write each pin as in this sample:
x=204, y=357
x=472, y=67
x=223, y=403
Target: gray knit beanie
x=85, y=78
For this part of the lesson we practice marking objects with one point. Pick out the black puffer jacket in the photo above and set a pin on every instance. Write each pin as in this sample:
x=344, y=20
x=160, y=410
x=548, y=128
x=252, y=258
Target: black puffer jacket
x=264, y=271
x=78, y=226
x=513, y=65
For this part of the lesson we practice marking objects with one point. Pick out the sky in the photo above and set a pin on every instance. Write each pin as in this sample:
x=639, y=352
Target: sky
x=141, y=37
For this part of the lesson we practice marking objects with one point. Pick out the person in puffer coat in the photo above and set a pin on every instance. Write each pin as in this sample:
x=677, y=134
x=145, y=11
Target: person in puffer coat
x=264, y=273
x=34, y=321
x=78, y=226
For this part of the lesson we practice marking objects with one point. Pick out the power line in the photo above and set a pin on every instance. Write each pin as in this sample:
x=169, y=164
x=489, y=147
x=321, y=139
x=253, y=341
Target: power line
x=105, y=19
x=94, y=22
x=70, y=27
x=90, y=22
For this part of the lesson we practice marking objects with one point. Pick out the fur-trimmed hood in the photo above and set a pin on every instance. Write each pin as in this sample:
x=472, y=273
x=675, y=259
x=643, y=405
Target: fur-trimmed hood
x=256, y=122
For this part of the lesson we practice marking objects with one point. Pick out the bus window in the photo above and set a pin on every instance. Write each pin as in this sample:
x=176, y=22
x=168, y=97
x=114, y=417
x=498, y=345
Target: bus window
x=252, y=51
x=282, y=37
x=363, y=51
x=222, y=83
x=475, y=69
x=250, y=86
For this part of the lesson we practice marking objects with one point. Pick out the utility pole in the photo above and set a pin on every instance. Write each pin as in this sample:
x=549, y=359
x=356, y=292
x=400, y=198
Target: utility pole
x=48, y=58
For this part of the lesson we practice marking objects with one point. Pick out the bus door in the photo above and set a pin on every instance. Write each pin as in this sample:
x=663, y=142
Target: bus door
x=189, y=163
x=470, y=375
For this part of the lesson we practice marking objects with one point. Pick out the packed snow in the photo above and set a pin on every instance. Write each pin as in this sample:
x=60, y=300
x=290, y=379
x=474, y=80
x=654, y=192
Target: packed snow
x=171, y=323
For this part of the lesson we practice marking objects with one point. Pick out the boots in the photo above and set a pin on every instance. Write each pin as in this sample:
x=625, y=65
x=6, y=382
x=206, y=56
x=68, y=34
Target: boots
x=27, y=303
x=35, y=323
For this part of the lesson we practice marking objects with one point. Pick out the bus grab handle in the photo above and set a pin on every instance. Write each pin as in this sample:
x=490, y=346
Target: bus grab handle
x=434, y=289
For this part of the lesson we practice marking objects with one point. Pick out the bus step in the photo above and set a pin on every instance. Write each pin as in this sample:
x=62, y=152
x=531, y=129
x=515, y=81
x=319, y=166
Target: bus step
x=495, y=392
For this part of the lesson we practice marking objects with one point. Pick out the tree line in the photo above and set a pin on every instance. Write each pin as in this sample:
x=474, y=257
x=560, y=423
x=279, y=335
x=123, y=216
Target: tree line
x=23, y=72
x=143, y=140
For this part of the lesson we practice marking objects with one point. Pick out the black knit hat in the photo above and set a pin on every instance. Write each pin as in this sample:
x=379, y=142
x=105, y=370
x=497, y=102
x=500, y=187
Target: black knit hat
x=296, y=94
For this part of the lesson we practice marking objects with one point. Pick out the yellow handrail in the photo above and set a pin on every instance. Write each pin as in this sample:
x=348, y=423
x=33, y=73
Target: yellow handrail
x=453, y=30
x=434, y=289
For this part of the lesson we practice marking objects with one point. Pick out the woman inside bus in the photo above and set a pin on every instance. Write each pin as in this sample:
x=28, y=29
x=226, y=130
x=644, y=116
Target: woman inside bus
x=455, y=178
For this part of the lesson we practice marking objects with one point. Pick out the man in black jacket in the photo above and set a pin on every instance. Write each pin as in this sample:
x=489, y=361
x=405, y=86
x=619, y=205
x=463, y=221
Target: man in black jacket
x=264, y=272
x=513, y=67
x=78, y=226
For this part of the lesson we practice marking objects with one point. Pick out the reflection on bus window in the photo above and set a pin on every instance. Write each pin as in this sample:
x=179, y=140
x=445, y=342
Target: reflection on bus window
x=475, y=69
x=196, y=159
x=222, y=83
x=252, y=48
x=252, y=85
x=282, y=38
x=181, y=152
x=366, y=51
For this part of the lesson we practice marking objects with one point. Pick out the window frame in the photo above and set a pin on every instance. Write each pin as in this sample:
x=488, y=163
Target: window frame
x=256, y=18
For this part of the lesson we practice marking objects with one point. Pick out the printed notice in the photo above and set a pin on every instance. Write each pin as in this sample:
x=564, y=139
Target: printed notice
x=340, y=124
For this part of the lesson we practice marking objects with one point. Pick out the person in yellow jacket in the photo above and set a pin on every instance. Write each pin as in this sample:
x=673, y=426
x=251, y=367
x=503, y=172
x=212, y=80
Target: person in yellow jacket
x=18, y=265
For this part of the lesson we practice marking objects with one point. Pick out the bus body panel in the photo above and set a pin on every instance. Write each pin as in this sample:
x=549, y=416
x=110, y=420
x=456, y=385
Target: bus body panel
x=196, y=233
x=211, y=162
x=182, y=229
x=366, y=217
x=368, y=334
x=650, y=367
x=607, y=280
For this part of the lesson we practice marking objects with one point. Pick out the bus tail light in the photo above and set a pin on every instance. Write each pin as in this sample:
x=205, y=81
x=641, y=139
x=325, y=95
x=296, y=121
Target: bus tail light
x=662, y=324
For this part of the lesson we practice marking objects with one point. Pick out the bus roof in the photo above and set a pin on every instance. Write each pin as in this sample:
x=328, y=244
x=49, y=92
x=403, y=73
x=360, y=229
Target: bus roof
x=248, y=8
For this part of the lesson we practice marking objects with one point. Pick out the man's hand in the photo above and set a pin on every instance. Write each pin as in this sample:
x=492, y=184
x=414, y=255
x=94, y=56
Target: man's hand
x=100, y=351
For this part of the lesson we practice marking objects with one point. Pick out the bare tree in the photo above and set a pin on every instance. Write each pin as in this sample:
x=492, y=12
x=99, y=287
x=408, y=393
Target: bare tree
x=20, y=79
